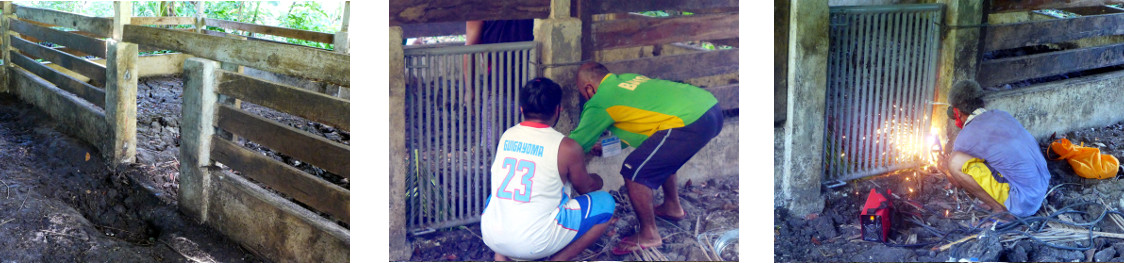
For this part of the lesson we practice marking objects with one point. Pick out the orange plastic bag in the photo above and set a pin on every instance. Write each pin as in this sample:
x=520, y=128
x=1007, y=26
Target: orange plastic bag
x=1088, y=162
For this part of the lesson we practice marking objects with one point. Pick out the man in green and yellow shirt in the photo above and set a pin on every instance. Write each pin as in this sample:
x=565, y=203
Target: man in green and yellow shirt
x=667, y=122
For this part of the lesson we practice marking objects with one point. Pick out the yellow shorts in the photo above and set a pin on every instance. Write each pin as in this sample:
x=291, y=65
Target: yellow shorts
x=983, y=176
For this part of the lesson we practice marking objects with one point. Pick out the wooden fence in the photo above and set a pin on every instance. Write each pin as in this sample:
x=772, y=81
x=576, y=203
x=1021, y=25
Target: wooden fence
x=1000, y=71
x=100, y=108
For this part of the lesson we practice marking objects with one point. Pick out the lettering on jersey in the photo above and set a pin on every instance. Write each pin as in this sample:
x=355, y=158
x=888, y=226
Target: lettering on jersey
x=522, y=147
x=631, y=84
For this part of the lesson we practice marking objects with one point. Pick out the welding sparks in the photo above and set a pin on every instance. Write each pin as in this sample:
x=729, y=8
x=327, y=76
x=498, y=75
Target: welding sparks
x=946, y=213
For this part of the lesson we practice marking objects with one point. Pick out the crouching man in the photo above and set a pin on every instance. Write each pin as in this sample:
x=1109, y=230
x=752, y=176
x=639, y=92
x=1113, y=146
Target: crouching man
x=994, y=158
x=530, y=214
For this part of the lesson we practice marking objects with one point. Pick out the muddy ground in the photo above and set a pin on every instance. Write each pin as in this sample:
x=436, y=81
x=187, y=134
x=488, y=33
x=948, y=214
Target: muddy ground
x=58, y=205
x=834, y=234
x=712, y=210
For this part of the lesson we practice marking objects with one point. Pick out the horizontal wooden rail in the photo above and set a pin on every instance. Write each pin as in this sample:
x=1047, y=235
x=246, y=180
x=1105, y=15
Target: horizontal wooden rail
x=84, y=33
x=273, y=30
x=94, y=47
x=624, y=6
x=433, y=29
x=633, y=32
x=97, y=25
x=727, y=96
x=279, y=58
x=680, y=67
x=1027, y=5
x=82, y=66
x=305, y=188
x=82, y=119
x=162, y=20
x=315, y=106
x=237, y=36
x=1008, y=70
x=313, y=149
x=431, y=11
x=1006, y=36
x=65, y=82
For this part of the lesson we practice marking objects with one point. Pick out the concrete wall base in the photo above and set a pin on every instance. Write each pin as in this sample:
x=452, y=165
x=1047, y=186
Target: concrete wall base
x=1061, y=106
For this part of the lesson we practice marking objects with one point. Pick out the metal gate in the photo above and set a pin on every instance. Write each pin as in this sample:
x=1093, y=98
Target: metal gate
x=454, y=119
x=881, y=74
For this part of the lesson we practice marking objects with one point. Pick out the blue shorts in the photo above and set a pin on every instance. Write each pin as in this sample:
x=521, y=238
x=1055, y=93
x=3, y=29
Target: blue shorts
x=596, y=208
x=663, y=153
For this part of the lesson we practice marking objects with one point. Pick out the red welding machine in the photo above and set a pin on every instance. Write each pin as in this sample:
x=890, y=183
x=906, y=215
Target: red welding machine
x=875, y=217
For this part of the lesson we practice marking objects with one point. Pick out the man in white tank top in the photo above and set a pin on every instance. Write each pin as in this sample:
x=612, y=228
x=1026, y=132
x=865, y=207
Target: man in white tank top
x=530, y=214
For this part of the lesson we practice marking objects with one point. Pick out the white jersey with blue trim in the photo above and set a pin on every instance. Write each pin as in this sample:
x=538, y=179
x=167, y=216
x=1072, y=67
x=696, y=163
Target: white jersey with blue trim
x=527, y=193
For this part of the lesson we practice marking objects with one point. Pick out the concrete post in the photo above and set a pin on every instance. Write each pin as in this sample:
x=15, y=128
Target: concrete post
x=959, y=55
x=200, y=24
x=199, y=100
x=559, y=39
x=807, y=79
x=4, y=25
x=121, y=90
x=780, y=59
x=399, y=249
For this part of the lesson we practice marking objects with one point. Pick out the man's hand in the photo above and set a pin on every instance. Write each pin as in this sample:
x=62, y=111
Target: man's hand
x=596, y=150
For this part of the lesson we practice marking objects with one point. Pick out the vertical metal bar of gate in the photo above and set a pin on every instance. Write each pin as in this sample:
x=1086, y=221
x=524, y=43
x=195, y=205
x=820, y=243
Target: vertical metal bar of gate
x=881, y=76
x=452, y=139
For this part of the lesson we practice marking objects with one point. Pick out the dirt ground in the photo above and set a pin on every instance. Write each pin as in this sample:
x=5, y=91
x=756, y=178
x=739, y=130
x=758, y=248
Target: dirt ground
x=58, y=205
x=712, y=210
x=834, y=234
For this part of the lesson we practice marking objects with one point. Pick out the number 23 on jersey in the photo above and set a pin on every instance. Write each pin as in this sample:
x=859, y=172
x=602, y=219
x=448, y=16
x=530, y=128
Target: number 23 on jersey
x=526, y=170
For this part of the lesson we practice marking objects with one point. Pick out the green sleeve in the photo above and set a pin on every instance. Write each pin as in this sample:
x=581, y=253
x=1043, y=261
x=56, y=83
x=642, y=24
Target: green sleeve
x=593, y=122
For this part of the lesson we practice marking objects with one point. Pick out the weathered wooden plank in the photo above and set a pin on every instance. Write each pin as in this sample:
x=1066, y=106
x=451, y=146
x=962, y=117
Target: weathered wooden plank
x=84, y=33
x=733, y=42
x=236, y=36
x=314, y=192
x=307, y=104
x=1051, y=31
x=284, y=59
x=431, y=11
x=162, y=20
x=634, y=32
x=85, y=67
x=94, y=47
x=272, y=30
x=433, y=29
x=1092, y=10
x=680, y=67
x=89, y=93
x=624, y=6
x=1008, y=70
x=97, y=25
x=75, y=116
x=997, y=6
x=313, y=149
x=727, y=96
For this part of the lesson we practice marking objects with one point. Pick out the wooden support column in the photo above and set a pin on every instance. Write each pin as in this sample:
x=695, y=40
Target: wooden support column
x=780, y=60
x=399, y=249
x=121, y=90
x=959, y=55
x=807, y=91
x=341, y=42
x=196, y=129
x=559, y=38
x=200, y=17
x=5, y=27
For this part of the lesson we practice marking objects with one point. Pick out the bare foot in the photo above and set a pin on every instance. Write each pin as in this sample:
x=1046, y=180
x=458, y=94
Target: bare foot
x=670, y=213
x=630, y=243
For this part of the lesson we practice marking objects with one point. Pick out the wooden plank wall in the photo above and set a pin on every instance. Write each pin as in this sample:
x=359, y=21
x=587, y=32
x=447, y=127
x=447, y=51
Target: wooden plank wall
x=997, y=6
x=431, y=11
x=998, y=72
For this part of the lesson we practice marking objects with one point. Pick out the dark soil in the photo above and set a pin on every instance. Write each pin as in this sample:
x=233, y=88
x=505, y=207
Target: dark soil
x=58, y=205
x=712, y=210
x=834, y=234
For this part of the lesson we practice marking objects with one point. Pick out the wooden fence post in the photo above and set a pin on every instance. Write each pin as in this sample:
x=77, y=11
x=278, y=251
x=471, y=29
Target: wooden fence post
x=341, y=43
x=199, y=101
x=200, y=22
x=121, y=89
x=399, y=249
x=4, y=27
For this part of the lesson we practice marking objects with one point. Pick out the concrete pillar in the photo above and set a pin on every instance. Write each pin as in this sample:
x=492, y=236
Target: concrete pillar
x=959, y=55
x=399, y=249
x=559, y=38
x=199, y=99
x=9, y=13
x=807, y=78
x=121, y=90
